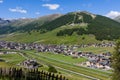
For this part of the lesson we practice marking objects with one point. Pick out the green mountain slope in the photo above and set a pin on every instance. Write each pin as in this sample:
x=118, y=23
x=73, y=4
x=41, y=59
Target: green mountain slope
x=68, y=19
x=102, y=27
x=26, y=25
x=50, y=38
x=71, y=28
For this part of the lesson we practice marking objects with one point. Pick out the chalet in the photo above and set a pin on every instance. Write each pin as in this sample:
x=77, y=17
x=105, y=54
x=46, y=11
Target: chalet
x=1, y=52
x=100, y=61
x=30, y=64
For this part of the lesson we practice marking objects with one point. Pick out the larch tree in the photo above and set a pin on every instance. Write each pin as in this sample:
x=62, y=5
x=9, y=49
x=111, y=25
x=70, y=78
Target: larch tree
x=116, y=62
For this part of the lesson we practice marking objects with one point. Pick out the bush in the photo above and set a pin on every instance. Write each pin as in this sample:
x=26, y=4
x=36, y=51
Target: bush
x=52, y=69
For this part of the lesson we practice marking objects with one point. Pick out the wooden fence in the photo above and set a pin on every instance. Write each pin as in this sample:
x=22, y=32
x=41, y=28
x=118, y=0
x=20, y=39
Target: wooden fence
x=29, y=74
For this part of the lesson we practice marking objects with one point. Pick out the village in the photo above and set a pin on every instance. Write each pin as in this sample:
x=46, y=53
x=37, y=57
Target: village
x=100, y=61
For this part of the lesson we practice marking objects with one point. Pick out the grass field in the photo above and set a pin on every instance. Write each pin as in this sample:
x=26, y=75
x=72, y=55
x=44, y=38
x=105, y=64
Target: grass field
x=61, y=57
x=97, y=50
x=11, y=60
x=87, y=71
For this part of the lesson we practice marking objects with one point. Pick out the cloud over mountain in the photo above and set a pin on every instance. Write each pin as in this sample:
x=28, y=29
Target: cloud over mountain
x=18, y=9
x=51, y=6
x=113, y=14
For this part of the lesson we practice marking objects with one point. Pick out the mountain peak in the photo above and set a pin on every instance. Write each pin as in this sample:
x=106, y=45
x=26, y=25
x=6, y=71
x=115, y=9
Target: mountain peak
x=117, y=18
x=83, y=12
x=4, y=22
x=86, y=12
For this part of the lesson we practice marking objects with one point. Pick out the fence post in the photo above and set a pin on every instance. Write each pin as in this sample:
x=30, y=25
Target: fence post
x=64, y=78
x=49, y=76
x=57, y=78
x=41, y=74
x=61, y=77
x=53, y=76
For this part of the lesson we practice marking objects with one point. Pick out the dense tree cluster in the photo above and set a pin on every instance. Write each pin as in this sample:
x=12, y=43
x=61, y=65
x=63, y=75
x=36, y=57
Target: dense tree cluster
x=104, y=28
x=7, y=29
x=116, y=62
x=69, y=32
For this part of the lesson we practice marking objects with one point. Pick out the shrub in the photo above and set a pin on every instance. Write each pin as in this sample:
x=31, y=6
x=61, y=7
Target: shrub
x=52, y=69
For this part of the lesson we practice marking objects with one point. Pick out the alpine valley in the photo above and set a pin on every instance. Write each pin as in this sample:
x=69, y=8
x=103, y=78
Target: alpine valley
x=71, y=28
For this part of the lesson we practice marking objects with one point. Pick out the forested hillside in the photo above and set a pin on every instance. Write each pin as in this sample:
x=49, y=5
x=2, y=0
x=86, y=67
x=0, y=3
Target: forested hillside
x=102, y=27
x=73, y=23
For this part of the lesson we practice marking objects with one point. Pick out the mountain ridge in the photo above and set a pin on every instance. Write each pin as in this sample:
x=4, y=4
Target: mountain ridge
x=4, y=22
x=74, y=25
x=26, y=24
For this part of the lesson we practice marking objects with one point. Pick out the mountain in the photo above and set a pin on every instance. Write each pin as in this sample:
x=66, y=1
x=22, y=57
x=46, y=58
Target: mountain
x=25, y=25
x=72, y=19
x=102, y=27
x=4, y=22
x=117, y=19
x=74, y=28
x=30, y=21
x=38, y=22
x=20, y=22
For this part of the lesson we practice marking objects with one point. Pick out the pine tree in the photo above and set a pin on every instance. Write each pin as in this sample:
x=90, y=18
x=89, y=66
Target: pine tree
x=116, y=62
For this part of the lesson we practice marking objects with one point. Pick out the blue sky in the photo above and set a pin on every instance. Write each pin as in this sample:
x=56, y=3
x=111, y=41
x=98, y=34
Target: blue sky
x=35, y=8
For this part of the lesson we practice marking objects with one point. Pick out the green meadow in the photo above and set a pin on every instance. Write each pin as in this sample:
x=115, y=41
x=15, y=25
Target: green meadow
x=97, y=50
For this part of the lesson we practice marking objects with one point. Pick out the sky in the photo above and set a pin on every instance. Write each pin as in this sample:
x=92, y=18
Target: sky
x=13, y=9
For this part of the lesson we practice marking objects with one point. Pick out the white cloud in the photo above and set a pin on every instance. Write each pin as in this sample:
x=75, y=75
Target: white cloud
x=18, y=9
x=51, y=6
x=113, y=14
x=1, y=1
x=37, y=13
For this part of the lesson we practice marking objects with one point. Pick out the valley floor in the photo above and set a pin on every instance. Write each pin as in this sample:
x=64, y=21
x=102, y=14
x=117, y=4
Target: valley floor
x=64, y=65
